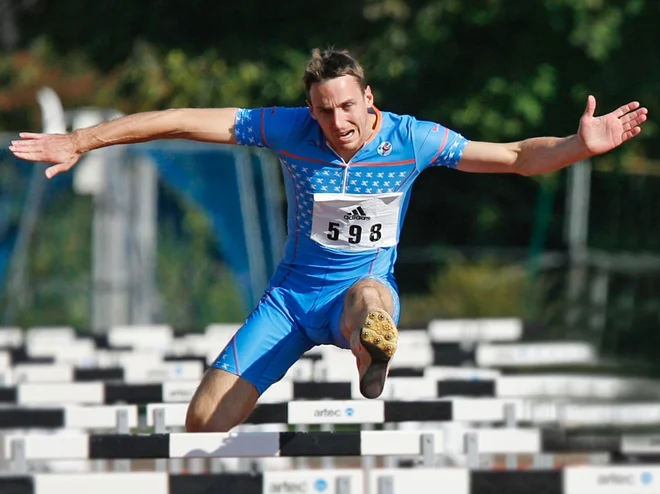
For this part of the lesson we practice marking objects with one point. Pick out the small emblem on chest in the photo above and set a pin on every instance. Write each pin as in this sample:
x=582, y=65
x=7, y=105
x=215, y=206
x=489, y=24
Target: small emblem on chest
x=385, y=148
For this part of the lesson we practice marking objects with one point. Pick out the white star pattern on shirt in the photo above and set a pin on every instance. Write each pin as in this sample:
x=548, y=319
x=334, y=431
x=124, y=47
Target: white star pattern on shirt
x=323, y=172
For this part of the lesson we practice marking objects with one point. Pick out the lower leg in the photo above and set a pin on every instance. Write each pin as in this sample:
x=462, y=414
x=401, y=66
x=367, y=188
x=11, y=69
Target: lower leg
x=221, y=402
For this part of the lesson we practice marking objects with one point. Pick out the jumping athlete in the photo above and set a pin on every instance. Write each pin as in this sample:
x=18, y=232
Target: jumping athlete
x=348, y=171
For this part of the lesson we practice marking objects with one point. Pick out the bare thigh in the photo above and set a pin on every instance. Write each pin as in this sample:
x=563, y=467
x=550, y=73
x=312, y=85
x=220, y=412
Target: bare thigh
x=221, y=402
x=360, y=298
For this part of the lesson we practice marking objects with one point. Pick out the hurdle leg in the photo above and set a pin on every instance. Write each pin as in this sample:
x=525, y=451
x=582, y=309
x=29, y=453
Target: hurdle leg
x=472, y=451
x=510, y=423
x=302, y=463
x=385, y=485
x=327, y=462
x=427, y=448
x=122, y=428
x=159, y=428
x=18, y=456
x=390, y=461
x=368, y=464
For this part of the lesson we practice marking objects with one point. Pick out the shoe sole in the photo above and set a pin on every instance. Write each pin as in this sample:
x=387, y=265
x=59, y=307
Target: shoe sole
x=379, y=336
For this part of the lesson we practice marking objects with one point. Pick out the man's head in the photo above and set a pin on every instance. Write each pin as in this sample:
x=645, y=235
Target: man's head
x=339, y=99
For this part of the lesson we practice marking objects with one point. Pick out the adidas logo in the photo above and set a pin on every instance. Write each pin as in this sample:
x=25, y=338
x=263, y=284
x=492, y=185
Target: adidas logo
x=357, y=214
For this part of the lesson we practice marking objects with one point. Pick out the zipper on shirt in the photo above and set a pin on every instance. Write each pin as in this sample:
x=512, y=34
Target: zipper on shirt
x=345, y=165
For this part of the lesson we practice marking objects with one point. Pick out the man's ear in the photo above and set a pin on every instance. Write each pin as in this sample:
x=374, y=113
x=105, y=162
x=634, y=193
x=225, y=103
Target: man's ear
x=310, y=108
x=369, y=96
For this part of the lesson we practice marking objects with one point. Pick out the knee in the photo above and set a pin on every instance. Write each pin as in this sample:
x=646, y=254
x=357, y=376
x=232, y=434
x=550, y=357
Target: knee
x=362, y=295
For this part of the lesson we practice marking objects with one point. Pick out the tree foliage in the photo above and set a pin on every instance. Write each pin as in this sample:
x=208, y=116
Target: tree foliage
x=497, y=70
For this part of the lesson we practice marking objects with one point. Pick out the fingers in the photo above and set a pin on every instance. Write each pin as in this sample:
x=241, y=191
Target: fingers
x=31, y=135
x=632, y=120
x=631, y=133
x=625, y=109
x=27, y=154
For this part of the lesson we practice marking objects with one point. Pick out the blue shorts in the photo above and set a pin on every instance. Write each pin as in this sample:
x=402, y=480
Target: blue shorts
x=289, y=320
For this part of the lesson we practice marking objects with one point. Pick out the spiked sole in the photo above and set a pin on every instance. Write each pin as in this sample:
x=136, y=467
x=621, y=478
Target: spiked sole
x=379, y=337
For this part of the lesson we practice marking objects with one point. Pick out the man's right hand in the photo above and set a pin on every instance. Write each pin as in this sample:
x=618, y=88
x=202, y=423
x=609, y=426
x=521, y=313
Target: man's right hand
x=58, y=149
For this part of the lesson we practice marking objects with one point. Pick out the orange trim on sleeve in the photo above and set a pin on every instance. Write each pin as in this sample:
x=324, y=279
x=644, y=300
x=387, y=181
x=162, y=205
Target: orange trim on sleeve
x=442, y=146
x=263, y=127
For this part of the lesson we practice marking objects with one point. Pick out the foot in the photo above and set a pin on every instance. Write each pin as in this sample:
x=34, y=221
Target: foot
x=376, y=343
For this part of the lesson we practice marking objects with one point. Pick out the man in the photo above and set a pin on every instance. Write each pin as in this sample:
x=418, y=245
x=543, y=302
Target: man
x=348, y=170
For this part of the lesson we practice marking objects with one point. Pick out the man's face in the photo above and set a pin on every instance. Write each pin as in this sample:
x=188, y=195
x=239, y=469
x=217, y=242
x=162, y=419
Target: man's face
x=342, y=110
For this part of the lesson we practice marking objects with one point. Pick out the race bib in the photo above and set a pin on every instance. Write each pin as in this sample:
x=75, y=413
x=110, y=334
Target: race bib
x=356, y=222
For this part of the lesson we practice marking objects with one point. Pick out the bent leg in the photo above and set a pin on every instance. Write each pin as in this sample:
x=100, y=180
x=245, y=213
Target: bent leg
x=258, y=355
x=221, y=402
x=367, y=324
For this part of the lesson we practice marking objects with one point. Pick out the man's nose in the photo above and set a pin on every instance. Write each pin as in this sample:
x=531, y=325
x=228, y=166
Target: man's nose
x=338, y=119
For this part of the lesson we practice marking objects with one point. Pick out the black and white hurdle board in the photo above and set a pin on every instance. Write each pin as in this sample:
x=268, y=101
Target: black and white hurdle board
x=425, y=444
x=382, y=481
x=330, y=412
x=640, y=479
x=403, y=388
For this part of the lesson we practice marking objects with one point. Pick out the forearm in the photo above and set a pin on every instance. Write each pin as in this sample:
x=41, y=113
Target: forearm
x=211, y=125
x=546, y=154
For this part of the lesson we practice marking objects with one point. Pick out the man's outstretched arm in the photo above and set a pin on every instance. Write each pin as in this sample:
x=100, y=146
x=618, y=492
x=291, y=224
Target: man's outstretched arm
x=64, y=150
x=596, y=135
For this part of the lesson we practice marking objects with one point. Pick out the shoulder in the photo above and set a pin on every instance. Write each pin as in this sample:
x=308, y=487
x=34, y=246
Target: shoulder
x=275, y=126
x=397, y=127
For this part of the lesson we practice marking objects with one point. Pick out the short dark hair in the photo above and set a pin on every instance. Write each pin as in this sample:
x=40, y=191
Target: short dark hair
x=330, y=64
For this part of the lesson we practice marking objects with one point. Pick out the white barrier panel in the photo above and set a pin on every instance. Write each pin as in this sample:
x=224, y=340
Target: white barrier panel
x=174, y=413
x=279, y=392
x=44, y=341
x=219, y=335
x=468, y=373
x=424, y=481
x=403, y=388
x=179, y=391
x=6, y=376
x=71, y=393
x=641, y=444
x=335, y=412
x=129, y=358
x=165, y=371
x=385, y=443
x=324, y=481
x=11, y=337
x=413, y=350
x=52, y=333
x=42, y=373
x=99, y=483
x=464, y=330
x=612, y=480
x=190, y=344
x=157, y=337
x=301, y=370
x=5, y=360
x=98, y=417
x=535, y=354
x=579, y=387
